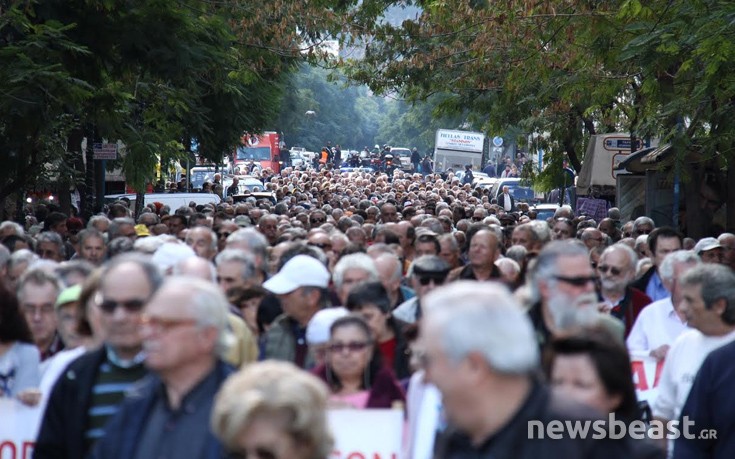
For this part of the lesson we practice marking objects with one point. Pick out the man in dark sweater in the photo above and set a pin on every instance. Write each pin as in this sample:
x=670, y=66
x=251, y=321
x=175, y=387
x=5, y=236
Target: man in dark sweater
x=89, y=392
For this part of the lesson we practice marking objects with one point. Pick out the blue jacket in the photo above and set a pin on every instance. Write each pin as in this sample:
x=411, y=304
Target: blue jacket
x=124, y=430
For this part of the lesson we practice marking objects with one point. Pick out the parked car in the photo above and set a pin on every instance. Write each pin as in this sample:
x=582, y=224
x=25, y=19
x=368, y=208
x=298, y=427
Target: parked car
x=545, y=211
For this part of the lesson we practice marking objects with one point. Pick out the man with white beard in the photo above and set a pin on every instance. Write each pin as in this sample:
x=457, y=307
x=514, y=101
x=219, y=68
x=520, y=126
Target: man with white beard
x=563, y=284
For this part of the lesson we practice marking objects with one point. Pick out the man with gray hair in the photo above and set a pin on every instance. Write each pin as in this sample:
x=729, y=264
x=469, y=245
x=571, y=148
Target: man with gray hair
x=708, y=303
x=643, y=226
x=50, y=246
x=121, y=227
x=661, y=322
x=185, y=336
x=235, y=268
x=349, y=271
x=617, y=268
x=37, y=294
x=391, y=274
x=489, y=393
x=253, y=243
x=563, y=288
x=89, y=392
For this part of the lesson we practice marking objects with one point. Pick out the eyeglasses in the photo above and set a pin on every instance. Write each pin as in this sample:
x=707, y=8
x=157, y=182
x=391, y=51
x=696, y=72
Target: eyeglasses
x=353, y=346
x=317, y=220
x=613, y=270
x=580, y=281
x=425, y=280
x=165, y=324
x=477, y=219
x=108, y=306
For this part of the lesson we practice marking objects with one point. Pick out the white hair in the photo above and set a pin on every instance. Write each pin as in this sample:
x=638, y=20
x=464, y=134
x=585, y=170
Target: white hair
x=485, y=318
x=684, y=257
x=149, y=244
x=17, y=229
x=354, y=261
x=210, y=306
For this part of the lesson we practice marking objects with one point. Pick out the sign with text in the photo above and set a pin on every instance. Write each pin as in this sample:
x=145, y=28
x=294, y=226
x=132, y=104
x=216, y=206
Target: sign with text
x=18, y=429
x=105, y=151
x=366, y=434
x=646, y=374
x=459, y=140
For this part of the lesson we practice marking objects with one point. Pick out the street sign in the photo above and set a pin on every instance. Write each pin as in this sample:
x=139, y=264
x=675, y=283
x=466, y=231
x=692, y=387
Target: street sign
x=105, y=150
x=498, y=141
x=620, y=143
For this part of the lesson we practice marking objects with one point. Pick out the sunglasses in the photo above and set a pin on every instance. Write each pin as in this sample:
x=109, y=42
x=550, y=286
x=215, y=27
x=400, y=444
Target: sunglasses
x=318, y=220
x=425, y=280
x=477, y=219
x=613, y=270
x=108, y=306
x=321, y=246
x=580, y=281
x=353, y=346
x=224, y=234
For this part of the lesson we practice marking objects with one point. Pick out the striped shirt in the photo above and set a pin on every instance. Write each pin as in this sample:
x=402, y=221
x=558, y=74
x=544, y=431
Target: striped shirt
x=112, y=381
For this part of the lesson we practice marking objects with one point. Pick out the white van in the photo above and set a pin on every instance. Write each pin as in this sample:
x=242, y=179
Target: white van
x=173, y=200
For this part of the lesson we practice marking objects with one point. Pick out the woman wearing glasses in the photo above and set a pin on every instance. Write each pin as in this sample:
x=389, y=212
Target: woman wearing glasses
x=354, y=371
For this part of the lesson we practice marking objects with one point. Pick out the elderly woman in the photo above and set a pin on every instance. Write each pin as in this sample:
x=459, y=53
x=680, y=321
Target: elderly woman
x=354, y=370
x=272, y=410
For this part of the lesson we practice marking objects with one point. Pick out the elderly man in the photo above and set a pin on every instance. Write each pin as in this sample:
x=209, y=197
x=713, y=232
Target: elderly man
x=709, y=250
x=391, y=274
x=37, y=294
x=727, y=241
x=564, y=290
x=121, y=227
x=617, y=269
x=533, y=236
x=223, y=231
x=708, y=303
x=661, y=242
x=388, y=213
x=489, y=396
x=203, y=241
x=351, y=270
x=185, y=337
x=235, y=268
x=253, y=243
x=92, y=246
x=450, y=250
x=642, y=226
x=50, y=246
x=88, y=394
x=662, y=321
x=482, y=254
x=425, y=274
x=301, y=286
x=267, y=225
x=506, y=200
x=426, y=243
x=592, y=238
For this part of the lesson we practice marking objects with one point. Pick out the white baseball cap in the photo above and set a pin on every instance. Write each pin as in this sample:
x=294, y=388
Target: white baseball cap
x=300, y=271
x=317, y=331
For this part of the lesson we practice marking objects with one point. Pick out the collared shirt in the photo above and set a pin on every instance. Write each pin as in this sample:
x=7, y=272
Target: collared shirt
x=182, y=432
x=656, y=325
x=655, y=288
x=54, y=348
x=115, y=359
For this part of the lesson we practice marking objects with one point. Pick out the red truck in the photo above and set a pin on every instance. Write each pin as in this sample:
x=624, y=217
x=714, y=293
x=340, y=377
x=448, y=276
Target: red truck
x=257, y=151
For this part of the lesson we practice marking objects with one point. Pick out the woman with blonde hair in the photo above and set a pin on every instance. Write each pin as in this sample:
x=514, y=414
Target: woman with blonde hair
x=273, y=410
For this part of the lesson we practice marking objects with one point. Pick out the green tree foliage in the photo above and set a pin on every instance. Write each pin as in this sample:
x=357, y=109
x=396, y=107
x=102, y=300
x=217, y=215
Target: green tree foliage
x=565, y=69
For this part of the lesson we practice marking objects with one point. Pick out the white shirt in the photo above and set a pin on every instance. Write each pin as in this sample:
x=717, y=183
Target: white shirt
x=424, y=405
x=657, y=324
x=505, y=201
x=407, y=310
x=680, y=368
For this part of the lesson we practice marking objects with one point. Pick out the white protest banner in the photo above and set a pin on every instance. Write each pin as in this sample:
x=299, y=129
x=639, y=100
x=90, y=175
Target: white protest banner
x=646, y=373
x=366, y=434
x=18, y=429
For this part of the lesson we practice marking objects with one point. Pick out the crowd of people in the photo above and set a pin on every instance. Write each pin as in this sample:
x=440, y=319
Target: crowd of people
x=229, y=329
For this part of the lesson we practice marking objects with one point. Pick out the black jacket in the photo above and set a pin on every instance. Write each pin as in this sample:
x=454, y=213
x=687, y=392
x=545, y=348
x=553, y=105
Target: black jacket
x=513, y=442
x=642, y=283
x=65, y=420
